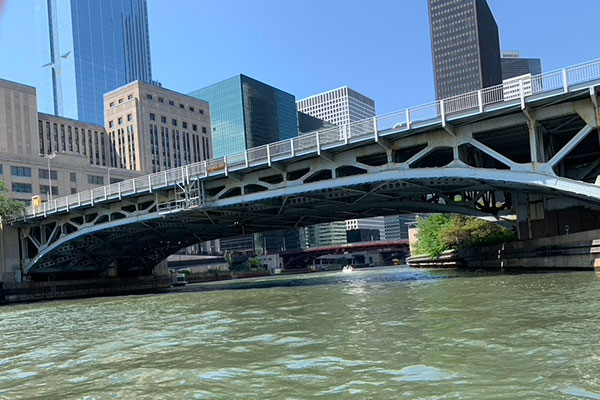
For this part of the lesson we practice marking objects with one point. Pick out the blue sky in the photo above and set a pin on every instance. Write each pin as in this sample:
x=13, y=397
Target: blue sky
x=378, y=47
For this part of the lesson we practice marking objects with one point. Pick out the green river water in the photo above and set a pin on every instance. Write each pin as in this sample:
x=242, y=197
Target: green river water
x=386, y=333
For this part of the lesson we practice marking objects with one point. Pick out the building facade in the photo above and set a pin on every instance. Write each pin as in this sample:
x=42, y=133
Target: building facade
x=338, y=106
x=153, y=129
x=396, y=226
x=371, y=224
x=465, y=46
x=246, y=113
x=513, y=65
x=87, y=48
x=49, y=156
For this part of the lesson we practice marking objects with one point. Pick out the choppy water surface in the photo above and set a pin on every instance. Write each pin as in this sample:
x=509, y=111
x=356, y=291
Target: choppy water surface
x=380, y=334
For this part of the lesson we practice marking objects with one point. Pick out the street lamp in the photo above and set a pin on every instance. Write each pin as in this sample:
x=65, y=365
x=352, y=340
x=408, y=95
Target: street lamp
x=49, y=157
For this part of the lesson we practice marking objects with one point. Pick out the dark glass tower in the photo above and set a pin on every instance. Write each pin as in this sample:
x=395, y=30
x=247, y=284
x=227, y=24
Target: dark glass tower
x=246, y=113
x=465, y=46
x=513, y=65
x=88, y=48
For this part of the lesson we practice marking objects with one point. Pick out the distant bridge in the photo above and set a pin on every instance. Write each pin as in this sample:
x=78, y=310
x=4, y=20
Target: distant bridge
x=527, y=148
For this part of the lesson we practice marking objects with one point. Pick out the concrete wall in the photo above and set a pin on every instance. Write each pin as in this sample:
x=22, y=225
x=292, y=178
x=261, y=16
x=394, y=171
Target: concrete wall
x=10, y=260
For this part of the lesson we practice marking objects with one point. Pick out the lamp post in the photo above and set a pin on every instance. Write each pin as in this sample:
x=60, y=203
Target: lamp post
x=49, y=157
x=108, y=173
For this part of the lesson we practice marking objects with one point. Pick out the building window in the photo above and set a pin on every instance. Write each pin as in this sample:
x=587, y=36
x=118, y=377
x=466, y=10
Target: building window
x=44, y=190
x=192, y=109
x=73, y=190
x=43, y=174
x=195, y=127
x=181, y=106
x=120, y=100
x=130, y=97
x=111, y=124
x=120, y=121
x=112, y=104
x=21, y=171
x=149, y=96
x=174, y=122
x=73, y=177
x=171, y=103
x=115, y=180
x=161, y=100
x=184, y=124
x=152, y=117
x=18, y=187
x=203, y=129
x=129, y=117
x=1, y=171
x=95, y=180
x=201, y=111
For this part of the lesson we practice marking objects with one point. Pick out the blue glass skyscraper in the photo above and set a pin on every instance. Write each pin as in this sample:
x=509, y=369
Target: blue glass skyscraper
x=246, y=113
x=87, y=48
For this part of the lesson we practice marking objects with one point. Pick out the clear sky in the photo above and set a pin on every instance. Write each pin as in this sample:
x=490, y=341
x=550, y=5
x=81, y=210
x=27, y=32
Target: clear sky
x=378, y=47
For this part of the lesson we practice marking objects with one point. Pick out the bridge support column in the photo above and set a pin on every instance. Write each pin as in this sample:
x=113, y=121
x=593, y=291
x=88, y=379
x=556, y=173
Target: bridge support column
x=522, y=210
x=10, y=258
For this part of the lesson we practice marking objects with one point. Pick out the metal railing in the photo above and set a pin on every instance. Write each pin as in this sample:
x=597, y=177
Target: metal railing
x=314, y=142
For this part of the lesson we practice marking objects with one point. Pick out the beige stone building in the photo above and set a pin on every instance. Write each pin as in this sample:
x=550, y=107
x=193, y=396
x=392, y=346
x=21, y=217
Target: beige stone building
x=153, y=129
x=41, y=153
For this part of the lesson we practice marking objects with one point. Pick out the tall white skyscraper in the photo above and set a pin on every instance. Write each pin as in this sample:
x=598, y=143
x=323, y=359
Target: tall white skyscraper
x=339, y=107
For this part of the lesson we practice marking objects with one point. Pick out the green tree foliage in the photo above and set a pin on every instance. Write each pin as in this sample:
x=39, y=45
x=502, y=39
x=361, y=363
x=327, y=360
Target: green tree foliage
x=438, y=233
x=8, y=207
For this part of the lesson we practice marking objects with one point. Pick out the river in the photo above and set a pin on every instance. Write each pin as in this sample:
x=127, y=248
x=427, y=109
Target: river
x=385, y=333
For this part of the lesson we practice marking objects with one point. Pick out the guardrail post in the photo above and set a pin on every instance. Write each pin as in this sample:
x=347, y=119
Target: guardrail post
x=226, y=166
x=134, y=189
x=407, y=118
x=79, y=199
x=345, y=133
x=91, y=197
x=269, y=155
x=442, y=113
x=119, y=188
x=292, y=147
x=480, y=100
x=318, y=143
x=565, y=78
x=105, y=194
x=45, y=212
x=150, y=183
x=246, y=158
x=205, y=169
x=375, y=129
x=187, y=175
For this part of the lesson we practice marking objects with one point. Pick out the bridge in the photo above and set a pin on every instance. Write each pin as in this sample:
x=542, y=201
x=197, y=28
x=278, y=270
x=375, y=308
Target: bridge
x=529, y=148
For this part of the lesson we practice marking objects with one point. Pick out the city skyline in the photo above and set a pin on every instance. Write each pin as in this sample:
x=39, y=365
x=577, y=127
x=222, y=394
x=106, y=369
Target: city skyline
x=304, y=69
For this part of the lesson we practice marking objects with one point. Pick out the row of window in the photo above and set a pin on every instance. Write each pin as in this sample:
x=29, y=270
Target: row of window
x=111, y=123
x=174, y=122
x=172, y=103
x=58, y=137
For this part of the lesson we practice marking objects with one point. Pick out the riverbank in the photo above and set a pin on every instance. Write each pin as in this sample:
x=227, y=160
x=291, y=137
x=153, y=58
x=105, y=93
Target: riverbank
x=575, y=252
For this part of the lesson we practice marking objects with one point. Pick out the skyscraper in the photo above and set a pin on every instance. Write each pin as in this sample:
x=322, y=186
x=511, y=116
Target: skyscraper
x=338, y=106
x=88, y=48
x=465, y=46
x=513, y=65
x=246, y=113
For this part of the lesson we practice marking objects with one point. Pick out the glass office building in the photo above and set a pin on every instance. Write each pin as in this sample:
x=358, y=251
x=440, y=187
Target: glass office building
x=465, y=46
x=246, y=113
x=88, y=48
x=513, y=65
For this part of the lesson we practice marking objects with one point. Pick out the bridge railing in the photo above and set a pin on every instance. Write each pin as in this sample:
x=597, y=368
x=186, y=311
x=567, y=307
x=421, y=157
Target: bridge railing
x=400, y=121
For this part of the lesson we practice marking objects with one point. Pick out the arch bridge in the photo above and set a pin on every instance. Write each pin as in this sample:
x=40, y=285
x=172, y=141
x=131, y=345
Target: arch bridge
x=529, y=148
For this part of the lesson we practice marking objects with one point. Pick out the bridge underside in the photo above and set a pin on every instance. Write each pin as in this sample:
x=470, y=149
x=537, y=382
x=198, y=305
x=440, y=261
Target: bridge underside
x=532, y=167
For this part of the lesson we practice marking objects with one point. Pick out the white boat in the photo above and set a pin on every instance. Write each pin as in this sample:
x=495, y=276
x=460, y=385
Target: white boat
x=348, y=268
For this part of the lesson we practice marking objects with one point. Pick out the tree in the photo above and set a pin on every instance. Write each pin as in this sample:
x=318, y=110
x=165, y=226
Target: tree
x=8, y=207
x=438, y=233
